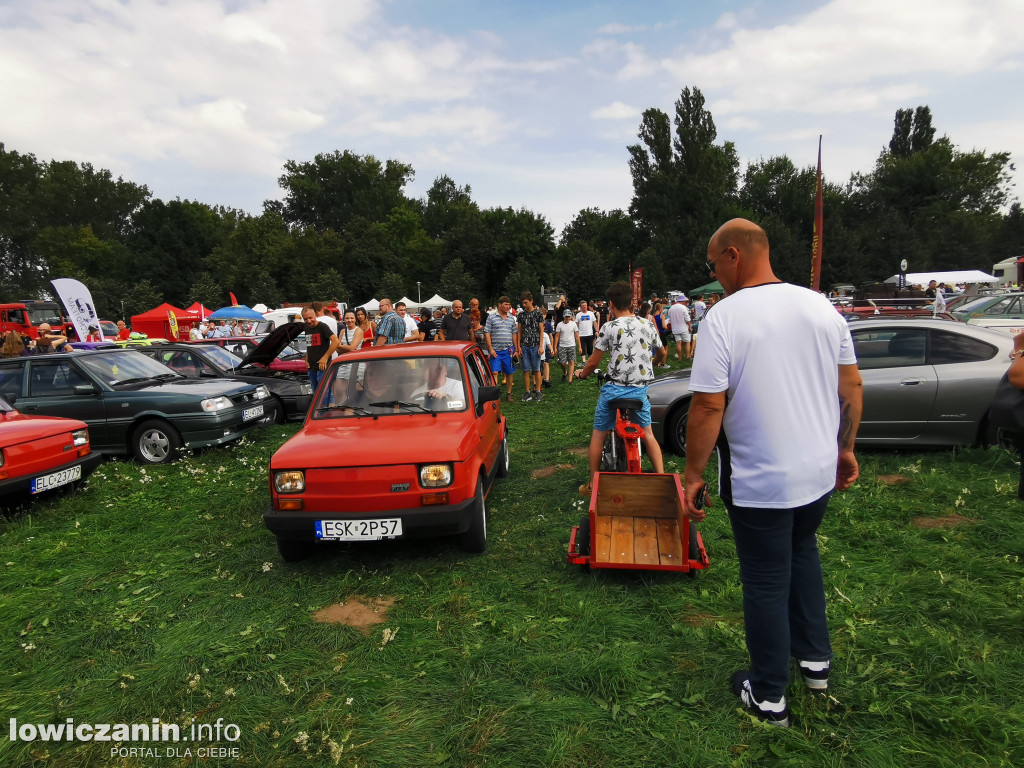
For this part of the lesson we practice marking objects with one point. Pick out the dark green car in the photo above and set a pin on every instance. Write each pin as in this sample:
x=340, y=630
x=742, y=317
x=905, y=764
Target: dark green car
x=134, y=405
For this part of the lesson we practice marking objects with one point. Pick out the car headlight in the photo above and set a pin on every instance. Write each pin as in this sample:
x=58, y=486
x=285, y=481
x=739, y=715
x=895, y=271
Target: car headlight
x=306, y=389
x=262, y=392
x=214, y=404
x=292, y=481
x=435, y=475
x=81, y=437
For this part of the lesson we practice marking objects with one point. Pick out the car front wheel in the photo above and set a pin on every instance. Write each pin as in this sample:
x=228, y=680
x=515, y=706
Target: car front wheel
x=475, y=539
x=155, y=442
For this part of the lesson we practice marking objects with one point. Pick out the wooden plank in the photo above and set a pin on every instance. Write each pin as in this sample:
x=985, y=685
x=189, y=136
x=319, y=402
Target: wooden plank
x=603, y=540
x=646, y=495
x=622, y=540
x=645, y=541
x=670, y=543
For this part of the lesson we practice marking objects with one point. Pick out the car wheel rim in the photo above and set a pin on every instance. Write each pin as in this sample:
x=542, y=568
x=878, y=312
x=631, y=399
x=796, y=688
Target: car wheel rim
x=681, y=435
x=154, y=445
x=506, y=455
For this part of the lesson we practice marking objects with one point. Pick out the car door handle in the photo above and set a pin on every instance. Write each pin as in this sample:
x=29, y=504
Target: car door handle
x=910, y=382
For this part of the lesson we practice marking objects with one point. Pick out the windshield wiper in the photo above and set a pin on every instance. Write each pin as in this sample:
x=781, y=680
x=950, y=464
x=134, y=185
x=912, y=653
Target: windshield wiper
x=136, y=380
x=402, y=404
x=164, y=376
x=357, y=410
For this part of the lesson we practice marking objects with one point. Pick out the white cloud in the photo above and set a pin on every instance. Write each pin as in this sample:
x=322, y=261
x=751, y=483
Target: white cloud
x=619, y=29
x=615, y=111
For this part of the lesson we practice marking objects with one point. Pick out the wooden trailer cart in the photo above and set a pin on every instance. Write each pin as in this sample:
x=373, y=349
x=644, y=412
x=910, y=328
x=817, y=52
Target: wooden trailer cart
x=636, y=522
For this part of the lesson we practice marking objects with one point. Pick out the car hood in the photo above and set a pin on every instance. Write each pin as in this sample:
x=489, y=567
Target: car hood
x=268, y=349
x=669, y=386
x=18, y=428
x=192, y=388
x=362, y=442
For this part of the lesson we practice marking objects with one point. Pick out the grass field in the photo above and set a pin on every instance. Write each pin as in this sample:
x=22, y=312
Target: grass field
x=158, y=593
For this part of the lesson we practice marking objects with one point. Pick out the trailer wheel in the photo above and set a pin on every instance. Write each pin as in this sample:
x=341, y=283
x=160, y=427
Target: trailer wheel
x=583, y=536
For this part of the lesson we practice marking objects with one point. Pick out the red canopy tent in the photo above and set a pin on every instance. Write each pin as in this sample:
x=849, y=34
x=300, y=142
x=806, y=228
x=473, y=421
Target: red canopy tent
x=199, y=310
x=156, y=323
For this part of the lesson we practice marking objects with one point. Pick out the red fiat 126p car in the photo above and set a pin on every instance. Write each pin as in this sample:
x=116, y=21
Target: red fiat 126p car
x=401, y=441
x=41, y=453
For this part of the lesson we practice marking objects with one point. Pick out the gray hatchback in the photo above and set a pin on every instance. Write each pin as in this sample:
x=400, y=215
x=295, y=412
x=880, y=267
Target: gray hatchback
x=926, y=382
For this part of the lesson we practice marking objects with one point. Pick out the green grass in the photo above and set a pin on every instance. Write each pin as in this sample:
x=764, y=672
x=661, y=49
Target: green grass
x=160, y=594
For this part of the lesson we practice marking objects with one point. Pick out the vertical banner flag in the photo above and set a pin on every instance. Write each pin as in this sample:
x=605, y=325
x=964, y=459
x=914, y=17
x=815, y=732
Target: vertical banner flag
x=78, y=302
x=234, y=301
x=173, y=322
x=818, y=221
x=636, y=280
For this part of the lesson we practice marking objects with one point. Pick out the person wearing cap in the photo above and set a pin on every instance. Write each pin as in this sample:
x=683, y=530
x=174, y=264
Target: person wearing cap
x=567, y=341
x=679, y=320
x=588, y=323
x=93, y=334
x=49, y=342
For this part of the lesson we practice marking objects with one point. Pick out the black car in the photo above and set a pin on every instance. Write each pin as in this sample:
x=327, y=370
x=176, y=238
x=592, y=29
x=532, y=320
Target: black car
x=291, y=390
x=132, y=404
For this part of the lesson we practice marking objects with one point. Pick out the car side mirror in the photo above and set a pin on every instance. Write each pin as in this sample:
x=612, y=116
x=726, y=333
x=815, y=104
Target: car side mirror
x=85, y=389
x=486, y=395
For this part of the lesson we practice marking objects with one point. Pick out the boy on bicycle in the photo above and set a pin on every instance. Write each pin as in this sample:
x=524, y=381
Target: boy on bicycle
x=631, y=342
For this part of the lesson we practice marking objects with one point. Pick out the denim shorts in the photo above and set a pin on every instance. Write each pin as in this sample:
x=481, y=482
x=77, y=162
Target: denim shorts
x=531, y=358
x=604, y=417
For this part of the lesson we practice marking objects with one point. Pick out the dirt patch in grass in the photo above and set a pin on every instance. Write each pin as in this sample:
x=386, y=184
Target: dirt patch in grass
x=892, y=479
x=700, y=619
x=549, y=471
x=579, y=451
x=946, y=521
x=359, y=612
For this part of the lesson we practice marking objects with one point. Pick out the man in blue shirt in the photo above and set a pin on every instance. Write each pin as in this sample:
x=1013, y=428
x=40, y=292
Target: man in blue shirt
x=391, y=327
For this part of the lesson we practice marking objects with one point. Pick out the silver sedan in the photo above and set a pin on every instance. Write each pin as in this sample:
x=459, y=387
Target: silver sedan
x=926, y=382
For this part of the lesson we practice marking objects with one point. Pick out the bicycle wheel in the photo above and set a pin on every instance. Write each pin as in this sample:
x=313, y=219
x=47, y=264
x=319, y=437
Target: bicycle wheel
x=613, y=454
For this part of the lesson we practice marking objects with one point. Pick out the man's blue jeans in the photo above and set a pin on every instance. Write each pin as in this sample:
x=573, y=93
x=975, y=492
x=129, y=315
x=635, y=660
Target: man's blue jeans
x=315, y=374
x=783, y=591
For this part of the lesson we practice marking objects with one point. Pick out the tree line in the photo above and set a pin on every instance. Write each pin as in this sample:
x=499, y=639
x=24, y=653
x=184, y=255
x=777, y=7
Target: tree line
x=346, y=229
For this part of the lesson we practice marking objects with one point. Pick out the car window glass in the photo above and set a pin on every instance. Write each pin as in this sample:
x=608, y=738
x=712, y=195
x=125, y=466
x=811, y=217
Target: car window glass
x=391, y=387
x=974, y=305
x=476, y=379
x=1014, y=306
x=999, y=308
x=10, y=380
x=223, y=357
x=118, y=367
x=949, y=347
x=889, y=347
x=55, y=378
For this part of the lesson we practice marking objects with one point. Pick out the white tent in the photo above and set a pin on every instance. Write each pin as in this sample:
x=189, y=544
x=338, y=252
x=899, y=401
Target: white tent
x=436, y=301
x=408, y=302
x=950, y=278
x=371, y=306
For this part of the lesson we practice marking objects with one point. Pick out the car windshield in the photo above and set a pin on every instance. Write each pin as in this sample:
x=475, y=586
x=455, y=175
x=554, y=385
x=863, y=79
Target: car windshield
x=49, y=315
x=388, y=387
x=971, y=306
x=108, y=328
x=5, y=407
x=222, y=357
x=125, y=367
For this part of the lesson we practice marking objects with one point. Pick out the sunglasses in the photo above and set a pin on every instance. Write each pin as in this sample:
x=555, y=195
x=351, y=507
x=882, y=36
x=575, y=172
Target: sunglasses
x=711, y=264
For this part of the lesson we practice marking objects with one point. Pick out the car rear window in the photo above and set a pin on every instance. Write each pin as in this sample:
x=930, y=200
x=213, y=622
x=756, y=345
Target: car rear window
x=398, y=386
x=949, y=348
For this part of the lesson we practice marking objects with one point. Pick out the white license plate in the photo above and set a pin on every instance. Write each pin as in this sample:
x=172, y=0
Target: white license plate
x=56, y=479
x=358, y=530
x=252, y=413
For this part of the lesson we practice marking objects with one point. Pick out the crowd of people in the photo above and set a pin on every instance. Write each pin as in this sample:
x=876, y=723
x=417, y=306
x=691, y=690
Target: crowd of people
x=528, y=337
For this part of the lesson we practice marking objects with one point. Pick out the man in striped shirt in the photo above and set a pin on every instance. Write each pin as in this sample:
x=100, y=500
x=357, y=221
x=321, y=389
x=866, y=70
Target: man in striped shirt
x=502, y=335
x=391, y=327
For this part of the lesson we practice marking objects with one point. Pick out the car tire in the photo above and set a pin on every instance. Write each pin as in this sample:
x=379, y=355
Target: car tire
x=155, y=442
x=615, y=463
x=280, y=417
x=475, y=539
x=503, y=459
x=675, y=429
x=292, y=550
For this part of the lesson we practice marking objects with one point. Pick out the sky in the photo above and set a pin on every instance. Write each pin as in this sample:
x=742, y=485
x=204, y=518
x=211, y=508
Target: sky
x=532, y=104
